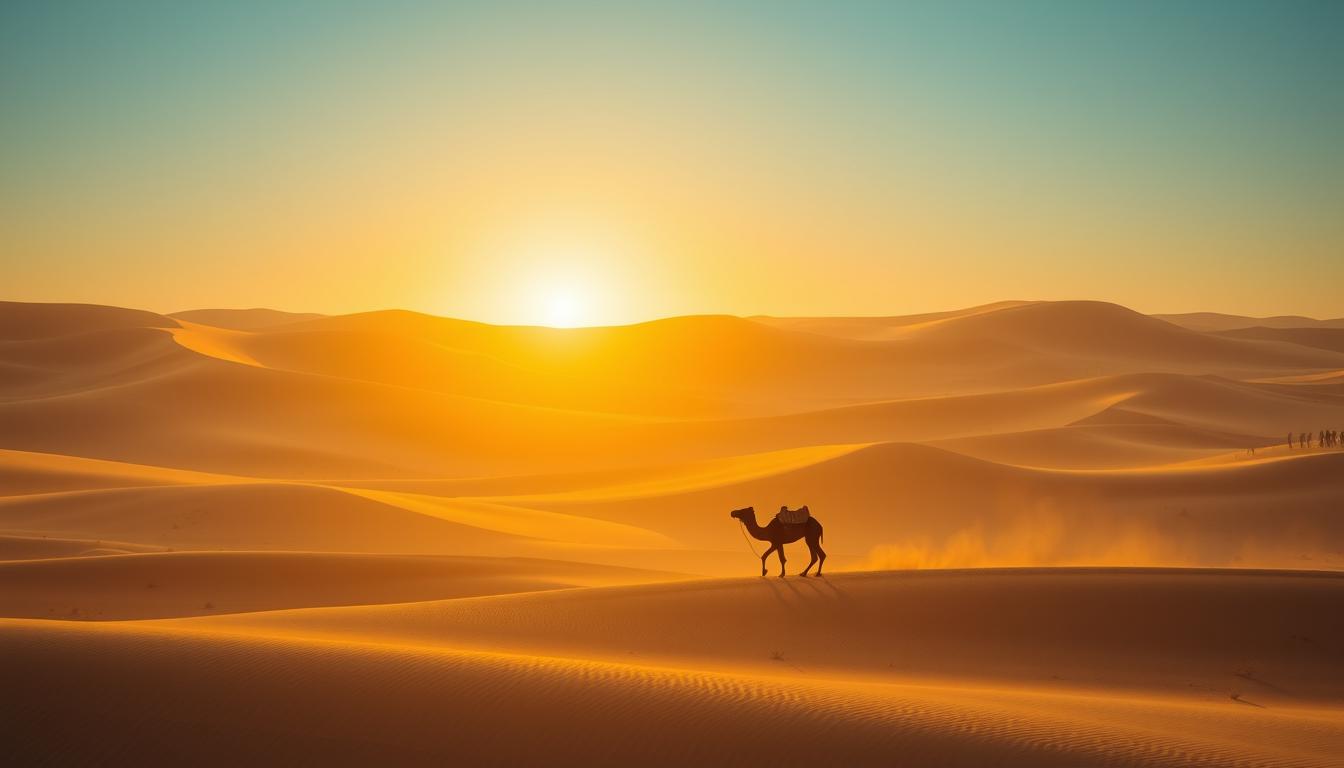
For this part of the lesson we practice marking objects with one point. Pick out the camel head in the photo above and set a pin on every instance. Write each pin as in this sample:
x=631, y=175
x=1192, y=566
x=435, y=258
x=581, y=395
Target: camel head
x=743, y=514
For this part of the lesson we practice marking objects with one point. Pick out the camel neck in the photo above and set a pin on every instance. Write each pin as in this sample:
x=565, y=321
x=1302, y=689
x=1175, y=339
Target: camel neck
x=754, y=528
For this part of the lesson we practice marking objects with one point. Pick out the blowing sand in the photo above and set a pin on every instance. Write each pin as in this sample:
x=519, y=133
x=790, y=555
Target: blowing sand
x=254, y=536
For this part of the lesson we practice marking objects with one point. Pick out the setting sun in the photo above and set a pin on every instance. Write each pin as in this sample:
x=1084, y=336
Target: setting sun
x=561, y=272
x=565, y=305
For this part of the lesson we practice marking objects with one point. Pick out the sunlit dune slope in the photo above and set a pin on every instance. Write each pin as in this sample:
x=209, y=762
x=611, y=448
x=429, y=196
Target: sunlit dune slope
x=243, y=319
x=294, y=701
x=1101, y=446
x=270, y=516
x=403, y=395
x=219, y=416
x=23, y=472
x=210, y=415
x=874, y=328
x=139, y=586
x=1014, y=343
x=722, y=366
x=1190, y=632
x=403, y=684
x=1016, y=433
x=686, y=367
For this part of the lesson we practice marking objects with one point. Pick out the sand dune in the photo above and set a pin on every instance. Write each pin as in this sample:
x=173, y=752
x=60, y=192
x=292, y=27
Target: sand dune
x=750, y=368
x=243, y=319
x=1100, y=330
x=1101, y=446
x=21, y=320
x=248, y=516
x=1318, y=337
x=141, y=586
x=239, y=536
x=23, y=472
x=344, y=686
x=235, y=402
x=1062, y=628
x=874, y=328
x=39, y=546
x=1214, y=321
x=904, y=505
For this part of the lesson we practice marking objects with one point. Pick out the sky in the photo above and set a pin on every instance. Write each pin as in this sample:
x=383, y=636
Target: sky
x=609, y=162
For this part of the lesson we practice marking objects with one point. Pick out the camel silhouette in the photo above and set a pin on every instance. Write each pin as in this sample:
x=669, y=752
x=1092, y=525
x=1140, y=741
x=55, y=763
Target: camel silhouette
x=779, y=534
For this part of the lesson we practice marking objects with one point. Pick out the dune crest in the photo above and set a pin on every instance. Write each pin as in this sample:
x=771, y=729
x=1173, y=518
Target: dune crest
x=390, y=537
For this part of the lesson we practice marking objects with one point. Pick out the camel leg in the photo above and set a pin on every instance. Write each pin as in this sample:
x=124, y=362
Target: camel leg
x=780, y=547
x=767, y=554
x=818, y=554
x=811, y=550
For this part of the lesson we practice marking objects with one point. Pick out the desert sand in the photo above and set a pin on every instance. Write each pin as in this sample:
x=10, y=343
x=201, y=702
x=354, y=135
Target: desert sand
x=1059, y=533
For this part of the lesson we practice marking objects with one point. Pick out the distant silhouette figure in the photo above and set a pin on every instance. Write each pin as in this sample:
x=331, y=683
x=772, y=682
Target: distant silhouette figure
x=1290, y=441
x=781, y=533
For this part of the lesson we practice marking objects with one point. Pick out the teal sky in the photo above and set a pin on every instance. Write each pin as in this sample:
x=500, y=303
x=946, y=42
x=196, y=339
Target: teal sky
x=659, y=159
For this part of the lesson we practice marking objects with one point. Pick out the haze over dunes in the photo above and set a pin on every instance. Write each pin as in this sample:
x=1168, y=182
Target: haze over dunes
x=391, y=536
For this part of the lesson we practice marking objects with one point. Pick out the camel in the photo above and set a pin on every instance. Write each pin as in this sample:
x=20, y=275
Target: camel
x=779, y=534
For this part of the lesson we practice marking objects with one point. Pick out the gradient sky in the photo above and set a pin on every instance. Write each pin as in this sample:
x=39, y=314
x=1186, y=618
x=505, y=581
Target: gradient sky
x=610, y=162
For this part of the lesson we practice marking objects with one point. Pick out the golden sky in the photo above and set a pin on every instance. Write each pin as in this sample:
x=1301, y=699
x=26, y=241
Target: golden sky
x=598, y=162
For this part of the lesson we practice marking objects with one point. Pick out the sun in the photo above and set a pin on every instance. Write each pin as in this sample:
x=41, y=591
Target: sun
x=563, y=294
x=564, y=305
x=555, y=276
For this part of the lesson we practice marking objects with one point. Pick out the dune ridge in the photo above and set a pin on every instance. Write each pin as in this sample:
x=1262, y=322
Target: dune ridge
x=408, y=692
x=1058, y=533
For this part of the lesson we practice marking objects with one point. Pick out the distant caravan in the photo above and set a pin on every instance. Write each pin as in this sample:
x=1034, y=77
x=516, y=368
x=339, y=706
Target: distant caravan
x=788, y=526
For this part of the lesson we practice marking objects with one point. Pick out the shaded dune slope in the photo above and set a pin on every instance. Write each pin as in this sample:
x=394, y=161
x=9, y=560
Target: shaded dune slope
x=1320, y=338
x=1212, y=322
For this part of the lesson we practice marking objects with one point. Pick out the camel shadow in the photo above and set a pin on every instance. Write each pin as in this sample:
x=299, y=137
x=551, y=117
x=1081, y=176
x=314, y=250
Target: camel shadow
x=776, y=593
x=825, y=587
x=783, y=588
x=1237, y=698
x=1249, y=676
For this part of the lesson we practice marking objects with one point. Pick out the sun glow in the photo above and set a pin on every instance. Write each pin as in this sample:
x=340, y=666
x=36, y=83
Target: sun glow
x=556, y=273
x=564, y=305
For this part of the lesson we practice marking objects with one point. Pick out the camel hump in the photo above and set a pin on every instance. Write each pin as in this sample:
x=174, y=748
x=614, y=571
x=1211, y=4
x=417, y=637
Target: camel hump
x=794, y=516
